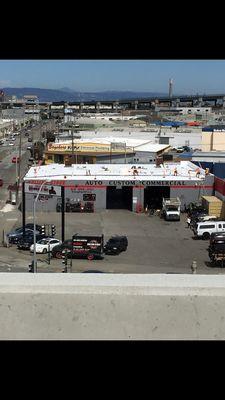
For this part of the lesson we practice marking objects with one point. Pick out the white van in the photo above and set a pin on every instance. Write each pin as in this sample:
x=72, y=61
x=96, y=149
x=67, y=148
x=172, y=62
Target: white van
x=204, y=229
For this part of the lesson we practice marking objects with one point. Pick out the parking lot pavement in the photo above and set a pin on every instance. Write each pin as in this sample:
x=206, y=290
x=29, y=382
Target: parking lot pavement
x=154, y=245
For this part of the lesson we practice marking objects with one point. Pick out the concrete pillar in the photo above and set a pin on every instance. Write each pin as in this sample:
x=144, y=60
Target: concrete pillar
x=224, y=102
x=200, y=102
x=81, y=107
x=115, y=105
x=138, y=199
x=97, y=105
x=135, y=104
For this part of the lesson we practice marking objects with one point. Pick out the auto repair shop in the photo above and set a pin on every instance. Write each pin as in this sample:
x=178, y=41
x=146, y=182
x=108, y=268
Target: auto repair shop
x=115, y=186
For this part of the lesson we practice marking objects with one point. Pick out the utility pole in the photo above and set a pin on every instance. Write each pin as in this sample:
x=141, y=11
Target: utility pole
x=76, y=127
x=20, y=151
x=72, y=146
x=170, y=88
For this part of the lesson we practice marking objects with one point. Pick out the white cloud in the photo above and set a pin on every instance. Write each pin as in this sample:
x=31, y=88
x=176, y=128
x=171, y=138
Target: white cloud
x=4, y=83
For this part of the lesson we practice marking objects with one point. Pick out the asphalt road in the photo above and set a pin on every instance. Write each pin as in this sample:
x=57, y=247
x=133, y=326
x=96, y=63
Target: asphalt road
x=155, y=246
x=7, y=168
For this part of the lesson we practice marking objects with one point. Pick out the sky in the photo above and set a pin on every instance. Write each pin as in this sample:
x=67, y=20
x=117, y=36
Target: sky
x=189, y=76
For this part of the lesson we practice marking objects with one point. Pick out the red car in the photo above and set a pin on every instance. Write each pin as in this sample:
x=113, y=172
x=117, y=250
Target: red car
x=1, y=182
x=15, y=159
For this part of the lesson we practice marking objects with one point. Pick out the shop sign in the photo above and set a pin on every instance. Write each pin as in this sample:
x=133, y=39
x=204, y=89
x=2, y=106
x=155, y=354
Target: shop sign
x=62, y=147
x=46, y=189
x=135, y=183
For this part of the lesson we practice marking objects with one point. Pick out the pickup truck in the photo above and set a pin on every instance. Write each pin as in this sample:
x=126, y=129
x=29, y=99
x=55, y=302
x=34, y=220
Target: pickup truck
x=171, y=209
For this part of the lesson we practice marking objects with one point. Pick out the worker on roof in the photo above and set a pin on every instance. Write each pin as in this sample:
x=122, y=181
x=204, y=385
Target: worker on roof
x=197, y=172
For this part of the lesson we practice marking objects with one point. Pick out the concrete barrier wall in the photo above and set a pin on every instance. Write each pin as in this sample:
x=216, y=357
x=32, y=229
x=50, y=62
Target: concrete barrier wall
x=105, y=306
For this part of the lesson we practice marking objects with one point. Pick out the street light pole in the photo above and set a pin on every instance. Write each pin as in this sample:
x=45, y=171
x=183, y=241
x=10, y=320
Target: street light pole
x=34, y=221
x=72, y=147
x=20, y=151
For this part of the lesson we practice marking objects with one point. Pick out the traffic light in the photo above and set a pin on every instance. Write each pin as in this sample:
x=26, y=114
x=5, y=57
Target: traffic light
x=31, y=267
x=43, y=230
x=64, y=260
x=53, y=230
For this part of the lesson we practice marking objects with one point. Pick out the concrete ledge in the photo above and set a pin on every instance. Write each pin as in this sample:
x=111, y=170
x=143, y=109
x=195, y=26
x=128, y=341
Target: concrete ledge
x=111, y=306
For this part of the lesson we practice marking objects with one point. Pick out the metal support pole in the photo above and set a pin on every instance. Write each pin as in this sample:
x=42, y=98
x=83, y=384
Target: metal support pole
x=34, y=215
x=63, y=213
x=20, y=151
x=34, y=221
x=72, y=147
x=23, y=207
x=16, y=174
x=49, y=254
x=194, y=267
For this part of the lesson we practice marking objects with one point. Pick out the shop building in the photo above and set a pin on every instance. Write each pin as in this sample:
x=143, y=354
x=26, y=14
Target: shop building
x=115, y=186
x=110, y=150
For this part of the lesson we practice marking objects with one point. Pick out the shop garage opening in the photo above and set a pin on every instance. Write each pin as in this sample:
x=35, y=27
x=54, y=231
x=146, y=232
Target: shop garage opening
x=119, y=198
x=153, y=196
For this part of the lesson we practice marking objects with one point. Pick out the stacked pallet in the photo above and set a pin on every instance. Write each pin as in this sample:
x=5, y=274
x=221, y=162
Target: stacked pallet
x=214, y=206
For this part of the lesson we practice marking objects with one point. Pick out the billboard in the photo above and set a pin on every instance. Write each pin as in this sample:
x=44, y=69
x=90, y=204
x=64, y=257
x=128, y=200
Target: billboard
x=46, y=189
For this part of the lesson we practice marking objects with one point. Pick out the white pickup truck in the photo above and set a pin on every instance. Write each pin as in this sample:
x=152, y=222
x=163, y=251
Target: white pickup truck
x=171, y=209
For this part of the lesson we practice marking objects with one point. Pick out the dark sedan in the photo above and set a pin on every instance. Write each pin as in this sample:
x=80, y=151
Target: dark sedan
x=25, y=242
x=17, y=234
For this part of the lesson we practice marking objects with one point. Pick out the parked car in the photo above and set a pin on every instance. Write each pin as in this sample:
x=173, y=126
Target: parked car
x=11, y=144
x=216, y=249
x=116, y=244
x=45, y=245
x=15, y=159
x=17, y=234
x=25, y=242
x=66, y=245
x=203, y=218
x=205, y=229
x=216, y=235
x=1, y=182
x=31, y=226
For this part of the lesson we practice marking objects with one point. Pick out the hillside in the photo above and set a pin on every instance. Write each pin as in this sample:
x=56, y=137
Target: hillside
x=67, y=94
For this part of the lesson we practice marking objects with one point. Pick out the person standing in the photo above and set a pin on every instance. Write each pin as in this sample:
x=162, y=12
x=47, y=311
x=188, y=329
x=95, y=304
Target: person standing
x=188, y=222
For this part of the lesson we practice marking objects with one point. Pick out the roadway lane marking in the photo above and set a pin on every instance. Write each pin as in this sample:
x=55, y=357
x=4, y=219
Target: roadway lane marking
x=12, y=219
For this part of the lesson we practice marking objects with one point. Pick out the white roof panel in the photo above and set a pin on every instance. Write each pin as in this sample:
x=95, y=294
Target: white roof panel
x=185, y=171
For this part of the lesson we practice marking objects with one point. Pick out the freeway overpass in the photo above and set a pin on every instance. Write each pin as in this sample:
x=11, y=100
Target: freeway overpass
x=114, y=105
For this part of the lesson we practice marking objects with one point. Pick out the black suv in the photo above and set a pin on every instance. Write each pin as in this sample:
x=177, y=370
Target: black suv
x=116, y=244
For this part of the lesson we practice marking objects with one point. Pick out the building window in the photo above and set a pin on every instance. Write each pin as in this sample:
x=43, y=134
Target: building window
x=49, y=157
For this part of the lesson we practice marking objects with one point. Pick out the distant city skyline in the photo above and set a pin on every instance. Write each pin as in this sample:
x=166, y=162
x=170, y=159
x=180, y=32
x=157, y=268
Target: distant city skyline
x=189, y=76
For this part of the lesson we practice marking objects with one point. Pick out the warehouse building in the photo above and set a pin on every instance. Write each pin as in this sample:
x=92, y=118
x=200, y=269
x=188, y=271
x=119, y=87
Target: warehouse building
x=115, y=186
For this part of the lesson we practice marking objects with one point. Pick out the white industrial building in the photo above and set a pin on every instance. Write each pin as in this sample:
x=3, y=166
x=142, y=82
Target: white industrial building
x=116, y=186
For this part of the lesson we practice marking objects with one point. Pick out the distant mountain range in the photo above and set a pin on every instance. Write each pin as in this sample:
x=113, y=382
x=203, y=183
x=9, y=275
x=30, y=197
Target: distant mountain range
x=67, y=94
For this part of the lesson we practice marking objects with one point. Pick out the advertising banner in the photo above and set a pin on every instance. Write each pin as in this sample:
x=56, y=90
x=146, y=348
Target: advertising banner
x=46, y=189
